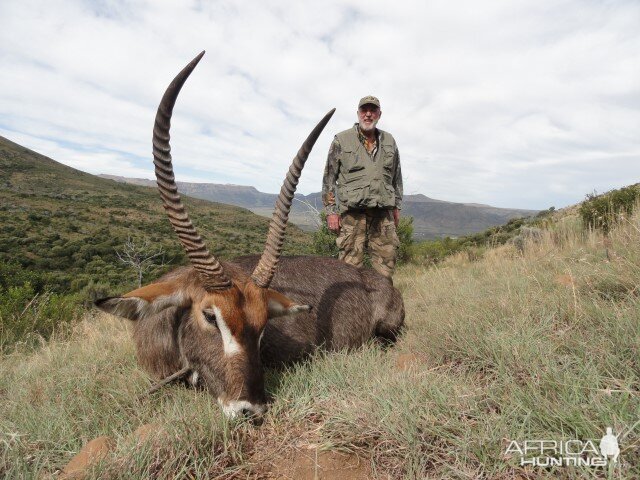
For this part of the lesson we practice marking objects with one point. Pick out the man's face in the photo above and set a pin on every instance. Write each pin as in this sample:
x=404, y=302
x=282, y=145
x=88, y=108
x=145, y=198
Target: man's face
x=368, y=116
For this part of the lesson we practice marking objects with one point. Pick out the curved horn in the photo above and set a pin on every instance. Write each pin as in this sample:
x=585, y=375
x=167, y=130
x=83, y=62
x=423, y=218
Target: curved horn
x=264, y=271
x=210, y=270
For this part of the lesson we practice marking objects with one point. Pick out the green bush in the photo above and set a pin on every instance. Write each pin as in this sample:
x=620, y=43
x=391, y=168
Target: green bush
x=602, y=211
x=434, y=251
x=12, y=274
x=405, y=235
x=27, y=315
x=94, y=290
x=324, y=241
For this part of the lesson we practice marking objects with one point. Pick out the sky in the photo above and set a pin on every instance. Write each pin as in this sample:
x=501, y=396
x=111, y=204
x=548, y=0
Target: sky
x=519, y=103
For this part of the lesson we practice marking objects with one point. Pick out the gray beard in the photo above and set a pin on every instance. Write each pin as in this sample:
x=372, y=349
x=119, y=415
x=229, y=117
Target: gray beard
x=372, y=128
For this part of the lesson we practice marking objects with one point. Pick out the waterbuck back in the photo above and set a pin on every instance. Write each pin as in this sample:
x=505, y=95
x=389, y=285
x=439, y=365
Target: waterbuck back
x=350, y=307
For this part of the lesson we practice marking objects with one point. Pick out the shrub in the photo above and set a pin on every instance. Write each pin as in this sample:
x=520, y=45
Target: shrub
x=602, y=211
x=324, y=241
x=405, y=235
x=434, y=251
x=26, y=315
x=13, y=274
x=94, y=290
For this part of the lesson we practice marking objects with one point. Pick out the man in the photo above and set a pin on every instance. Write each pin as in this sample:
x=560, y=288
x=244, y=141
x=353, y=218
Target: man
x=362, y=190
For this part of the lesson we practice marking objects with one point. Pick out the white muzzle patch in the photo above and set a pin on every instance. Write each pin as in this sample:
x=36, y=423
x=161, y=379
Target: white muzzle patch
x=240, y=408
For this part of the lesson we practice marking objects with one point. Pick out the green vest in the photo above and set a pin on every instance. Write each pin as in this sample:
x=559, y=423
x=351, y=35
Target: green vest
x=363, y=181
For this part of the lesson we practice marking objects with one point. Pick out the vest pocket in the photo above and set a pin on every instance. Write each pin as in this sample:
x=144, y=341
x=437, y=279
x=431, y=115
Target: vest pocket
x=353, y=177
x=387, y=196
x=350, y=161
x=357, y=195
x=387, y=160
x=356, y=188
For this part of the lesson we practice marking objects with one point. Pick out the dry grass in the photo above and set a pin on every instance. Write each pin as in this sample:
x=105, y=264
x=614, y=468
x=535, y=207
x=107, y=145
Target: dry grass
x=508, y=347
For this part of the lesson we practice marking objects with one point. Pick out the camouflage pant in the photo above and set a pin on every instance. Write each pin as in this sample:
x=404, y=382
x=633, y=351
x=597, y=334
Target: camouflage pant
x=376, y=224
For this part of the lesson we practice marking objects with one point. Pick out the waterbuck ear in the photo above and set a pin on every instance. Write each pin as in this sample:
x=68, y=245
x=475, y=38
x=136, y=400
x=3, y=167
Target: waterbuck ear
x=280, y=305
x=145, y=301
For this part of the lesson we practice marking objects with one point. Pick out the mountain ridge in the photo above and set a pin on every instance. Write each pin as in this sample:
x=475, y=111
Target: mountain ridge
x=432, y=218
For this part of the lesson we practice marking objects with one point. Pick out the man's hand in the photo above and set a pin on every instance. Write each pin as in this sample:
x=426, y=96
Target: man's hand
x=333, y=222
x=396, y=217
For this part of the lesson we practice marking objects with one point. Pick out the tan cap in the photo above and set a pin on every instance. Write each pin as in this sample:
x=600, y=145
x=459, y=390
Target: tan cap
x=369, y=99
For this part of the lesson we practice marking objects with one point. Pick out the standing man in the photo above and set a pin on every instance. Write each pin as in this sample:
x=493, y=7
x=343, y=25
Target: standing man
x=363, y=175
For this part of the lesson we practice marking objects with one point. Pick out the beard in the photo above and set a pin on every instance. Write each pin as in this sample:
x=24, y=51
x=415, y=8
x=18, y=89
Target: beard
x=368, y=128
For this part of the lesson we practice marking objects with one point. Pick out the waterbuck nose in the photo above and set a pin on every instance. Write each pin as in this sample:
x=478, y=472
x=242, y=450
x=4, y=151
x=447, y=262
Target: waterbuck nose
x=243, y=409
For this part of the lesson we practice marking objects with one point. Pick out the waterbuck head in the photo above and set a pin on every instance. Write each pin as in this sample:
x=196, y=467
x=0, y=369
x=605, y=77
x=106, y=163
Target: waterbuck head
x=206, y=319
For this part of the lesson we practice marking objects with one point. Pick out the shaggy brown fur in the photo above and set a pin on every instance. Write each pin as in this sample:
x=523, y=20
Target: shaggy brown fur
x=349, y=307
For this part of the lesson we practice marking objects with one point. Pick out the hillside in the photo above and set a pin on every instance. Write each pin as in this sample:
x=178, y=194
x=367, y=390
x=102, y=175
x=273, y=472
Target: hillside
x=431, y=218
x=66, y=224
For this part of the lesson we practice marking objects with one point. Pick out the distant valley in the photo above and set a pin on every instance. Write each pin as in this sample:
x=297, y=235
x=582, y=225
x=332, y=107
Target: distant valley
x=431, y=218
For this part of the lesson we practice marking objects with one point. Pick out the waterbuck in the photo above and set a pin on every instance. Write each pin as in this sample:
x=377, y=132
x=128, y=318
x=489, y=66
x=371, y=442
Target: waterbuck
x=218, y=323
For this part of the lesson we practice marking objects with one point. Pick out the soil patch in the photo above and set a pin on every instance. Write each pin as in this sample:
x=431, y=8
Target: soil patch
x=316, y=465
x=566, y=280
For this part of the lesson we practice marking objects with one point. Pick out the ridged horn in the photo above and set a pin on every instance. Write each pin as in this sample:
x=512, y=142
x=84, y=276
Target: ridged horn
x=264, y=271
x=207, y=265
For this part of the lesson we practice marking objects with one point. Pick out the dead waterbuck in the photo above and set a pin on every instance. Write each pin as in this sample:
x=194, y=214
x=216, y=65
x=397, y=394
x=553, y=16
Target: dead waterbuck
x=219, y=322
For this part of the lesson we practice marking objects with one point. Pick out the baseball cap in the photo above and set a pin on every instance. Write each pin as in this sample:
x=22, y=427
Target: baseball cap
x=369, y=99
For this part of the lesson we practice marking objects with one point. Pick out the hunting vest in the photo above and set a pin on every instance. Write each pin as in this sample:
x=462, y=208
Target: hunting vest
x=365, y=181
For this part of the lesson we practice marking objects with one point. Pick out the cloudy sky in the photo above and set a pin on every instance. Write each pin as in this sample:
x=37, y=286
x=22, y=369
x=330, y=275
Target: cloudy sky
x=520, y=103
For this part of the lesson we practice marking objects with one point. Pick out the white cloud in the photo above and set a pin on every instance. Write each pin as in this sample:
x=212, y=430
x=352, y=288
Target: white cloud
x=519, y=104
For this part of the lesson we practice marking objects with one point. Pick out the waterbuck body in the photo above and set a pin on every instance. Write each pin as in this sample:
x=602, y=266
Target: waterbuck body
x=350, y=307
x=217, y=323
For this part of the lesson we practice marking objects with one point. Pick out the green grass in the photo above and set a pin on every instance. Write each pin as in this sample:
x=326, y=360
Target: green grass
x=27, y=317
x=510, y=346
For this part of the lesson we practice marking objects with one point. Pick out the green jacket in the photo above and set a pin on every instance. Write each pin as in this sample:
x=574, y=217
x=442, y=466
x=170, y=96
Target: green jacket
x=354, y=179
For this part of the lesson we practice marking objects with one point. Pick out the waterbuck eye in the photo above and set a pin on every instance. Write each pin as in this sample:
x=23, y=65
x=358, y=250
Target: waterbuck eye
x=210, y=317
